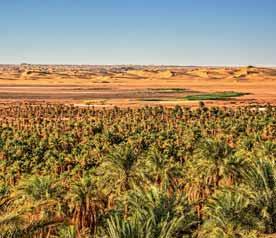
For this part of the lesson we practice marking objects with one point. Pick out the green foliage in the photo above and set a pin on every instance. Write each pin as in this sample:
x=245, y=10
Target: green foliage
x=148, y=172
x=214, y=96
x=169, y=90
x=230, y=213
x=154, y=213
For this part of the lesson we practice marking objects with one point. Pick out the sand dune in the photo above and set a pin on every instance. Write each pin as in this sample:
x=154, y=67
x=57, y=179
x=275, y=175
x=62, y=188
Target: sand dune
x=54, y=72
x=151, y=73
x=233, y=73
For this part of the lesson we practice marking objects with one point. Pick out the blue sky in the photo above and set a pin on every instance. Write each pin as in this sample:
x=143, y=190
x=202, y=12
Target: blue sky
x=182, y=32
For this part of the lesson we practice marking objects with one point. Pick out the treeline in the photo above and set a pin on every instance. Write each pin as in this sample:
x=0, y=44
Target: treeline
x=157, y=172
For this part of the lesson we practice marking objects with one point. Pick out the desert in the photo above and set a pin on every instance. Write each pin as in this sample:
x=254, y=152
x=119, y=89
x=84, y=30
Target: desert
x=135, y=86
x=138, y=119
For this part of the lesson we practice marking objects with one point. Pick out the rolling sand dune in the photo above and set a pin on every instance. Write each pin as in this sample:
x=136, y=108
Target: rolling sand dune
x=151, y=73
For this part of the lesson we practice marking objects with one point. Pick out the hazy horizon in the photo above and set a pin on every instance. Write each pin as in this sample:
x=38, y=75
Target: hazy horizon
x=145, y=65
x=123, y=32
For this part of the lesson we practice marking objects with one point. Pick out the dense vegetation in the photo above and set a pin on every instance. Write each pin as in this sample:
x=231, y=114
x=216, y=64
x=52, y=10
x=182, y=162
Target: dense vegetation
x=137, y=173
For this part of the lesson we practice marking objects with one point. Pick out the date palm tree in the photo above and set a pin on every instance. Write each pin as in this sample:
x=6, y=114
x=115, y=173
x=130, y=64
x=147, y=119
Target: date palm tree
x=229, y=213
x=154, y=213
x=39, y=197
x=214, y=164
x=261, y=179
x=162, y=171
x=119, y=173
x=85, y=205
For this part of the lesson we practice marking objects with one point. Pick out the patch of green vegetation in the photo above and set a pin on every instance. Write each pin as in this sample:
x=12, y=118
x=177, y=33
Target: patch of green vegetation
x=151, y=99
x=169, y=90
x=95, y=102
x=215, y=96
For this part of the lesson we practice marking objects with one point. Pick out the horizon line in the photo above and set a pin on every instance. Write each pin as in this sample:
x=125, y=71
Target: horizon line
x=144, y=65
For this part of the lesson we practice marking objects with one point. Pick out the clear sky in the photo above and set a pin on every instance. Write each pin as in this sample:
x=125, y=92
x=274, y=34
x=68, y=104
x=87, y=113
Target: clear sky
x=182, y=32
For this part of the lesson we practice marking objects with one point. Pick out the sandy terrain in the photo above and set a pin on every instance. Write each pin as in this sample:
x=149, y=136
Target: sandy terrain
x=134, y=85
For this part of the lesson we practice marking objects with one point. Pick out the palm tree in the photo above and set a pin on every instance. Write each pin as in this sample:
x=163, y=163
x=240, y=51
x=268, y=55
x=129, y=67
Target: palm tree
x=117, y=227
x=18, y=220
x=229, y=213
x=119, y=173
x=261, y=180
x=154, y=213
x=38, y=188
x=85, y=204
x=214, y=164
x=38, y=203
x=168, y=213
x=162, y=171
x=10, y=217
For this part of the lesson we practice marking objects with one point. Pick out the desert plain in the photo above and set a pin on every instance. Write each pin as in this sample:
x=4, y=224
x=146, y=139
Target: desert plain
x=134, y=86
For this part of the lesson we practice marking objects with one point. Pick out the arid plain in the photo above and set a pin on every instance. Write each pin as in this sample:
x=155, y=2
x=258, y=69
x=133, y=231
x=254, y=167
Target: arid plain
x=106, y=86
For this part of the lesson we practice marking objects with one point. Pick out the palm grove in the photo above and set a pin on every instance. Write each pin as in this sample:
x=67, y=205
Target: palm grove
x=133, y=173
